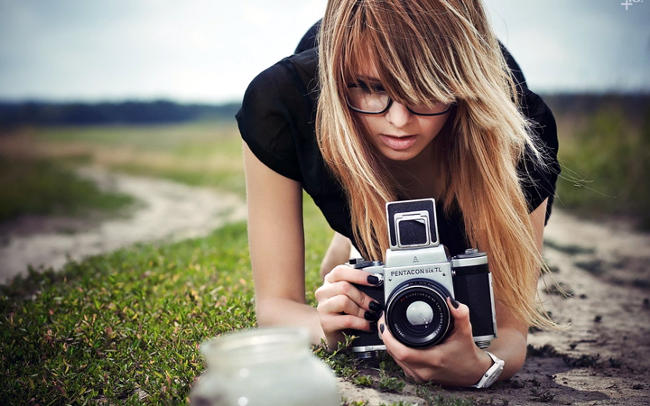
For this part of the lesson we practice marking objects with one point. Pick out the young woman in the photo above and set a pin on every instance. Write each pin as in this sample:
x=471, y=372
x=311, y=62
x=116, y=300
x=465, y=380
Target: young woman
x=402, y=99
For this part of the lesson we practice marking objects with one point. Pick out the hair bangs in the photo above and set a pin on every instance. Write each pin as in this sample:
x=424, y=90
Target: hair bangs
x=395, y=51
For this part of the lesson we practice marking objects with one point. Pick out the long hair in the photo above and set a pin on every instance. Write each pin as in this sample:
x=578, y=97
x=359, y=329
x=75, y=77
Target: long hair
x=442, y=50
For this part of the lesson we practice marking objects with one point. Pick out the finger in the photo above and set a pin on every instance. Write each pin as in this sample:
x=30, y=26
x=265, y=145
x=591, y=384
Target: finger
x=430, y=357
x=407, y=368
x=336, y=322
x=409, y=372
x=358, y=276
x=342, y=304
x=397, y=350
x=419, y=365
x=460, y=312
x=346, y=288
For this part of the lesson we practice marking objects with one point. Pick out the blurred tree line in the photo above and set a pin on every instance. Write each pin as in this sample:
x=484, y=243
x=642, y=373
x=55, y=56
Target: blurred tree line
x=131, y=112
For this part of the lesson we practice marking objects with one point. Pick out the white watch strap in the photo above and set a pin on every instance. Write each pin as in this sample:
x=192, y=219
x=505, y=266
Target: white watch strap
x=492, y=374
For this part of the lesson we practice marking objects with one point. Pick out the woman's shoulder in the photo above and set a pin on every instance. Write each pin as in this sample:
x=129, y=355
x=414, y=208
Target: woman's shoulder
x=286, y=91
x=277, y=110
x=293, y=75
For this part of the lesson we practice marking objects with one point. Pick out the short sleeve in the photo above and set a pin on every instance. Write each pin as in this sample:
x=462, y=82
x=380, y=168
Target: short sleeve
x=309, y=40
x=538, y=179
x=266, y=123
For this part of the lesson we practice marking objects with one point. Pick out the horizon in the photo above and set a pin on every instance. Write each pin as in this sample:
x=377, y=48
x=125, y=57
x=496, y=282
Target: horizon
x=566, y=93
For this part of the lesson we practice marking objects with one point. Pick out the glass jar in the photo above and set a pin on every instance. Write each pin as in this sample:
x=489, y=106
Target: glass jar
x=266, y=366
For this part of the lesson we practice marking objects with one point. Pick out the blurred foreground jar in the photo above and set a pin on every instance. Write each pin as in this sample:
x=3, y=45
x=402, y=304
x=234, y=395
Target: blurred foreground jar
x=266, y=366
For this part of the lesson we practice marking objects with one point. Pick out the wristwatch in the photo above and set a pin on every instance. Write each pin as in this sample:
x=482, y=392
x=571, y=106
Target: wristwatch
x=492, y=374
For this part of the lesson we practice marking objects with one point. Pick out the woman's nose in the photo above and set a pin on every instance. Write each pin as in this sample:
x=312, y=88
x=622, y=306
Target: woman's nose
x=398, y=115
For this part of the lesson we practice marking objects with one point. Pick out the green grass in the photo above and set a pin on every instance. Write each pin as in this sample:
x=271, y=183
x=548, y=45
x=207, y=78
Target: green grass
x=128, y=321
x=118, y=324
x=605, y=166
x=46, y=187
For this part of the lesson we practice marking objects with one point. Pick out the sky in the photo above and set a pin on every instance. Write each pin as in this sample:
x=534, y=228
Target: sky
x=208, y=51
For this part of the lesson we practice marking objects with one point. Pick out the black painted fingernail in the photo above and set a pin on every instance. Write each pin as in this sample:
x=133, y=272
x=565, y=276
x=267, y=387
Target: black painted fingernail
x=454, y=303
x=372, y=279
x=371, y=316
x=381, y=328
x=375, y=306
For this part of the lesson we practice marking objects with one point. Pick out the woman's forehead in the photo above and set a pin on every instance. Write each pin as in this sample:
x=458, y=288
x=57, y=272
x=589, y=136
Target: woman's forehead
x=365, y=62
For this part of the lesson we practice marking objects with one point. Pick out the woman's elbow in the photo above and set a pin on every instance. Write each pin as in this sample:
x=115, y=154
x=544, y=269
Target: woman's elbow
x=264, y=312
x=516, y=363
x=516, y=354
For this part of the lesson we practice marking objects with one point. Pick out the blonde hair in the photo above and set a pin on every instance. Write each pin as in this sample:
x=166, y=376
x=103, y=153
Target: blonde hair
x=425, y=51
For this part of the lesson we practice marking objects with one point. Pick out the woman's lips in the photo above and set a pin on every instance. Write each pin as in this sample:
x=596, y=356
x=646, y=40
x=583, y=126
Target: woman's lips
x=398, y=143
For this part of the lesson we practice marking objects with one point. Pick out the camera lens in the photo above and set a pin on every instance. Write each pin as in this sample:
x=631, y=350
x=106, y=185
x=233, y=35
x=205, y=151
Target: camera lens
x=417, y=313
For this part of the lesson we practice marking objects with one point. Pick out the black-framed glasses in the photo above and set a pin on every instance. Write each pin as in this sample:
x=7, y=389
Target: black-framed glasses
x=373, y=99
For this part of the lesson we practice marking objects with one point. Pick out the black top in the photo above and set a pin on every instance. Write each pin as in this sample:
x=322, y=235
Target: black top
x=277, y=119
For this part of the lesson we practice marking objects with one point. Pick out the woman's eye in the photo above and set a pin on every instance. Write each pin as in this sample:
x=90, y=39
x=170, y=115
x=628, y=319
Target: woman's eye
x=370, y=87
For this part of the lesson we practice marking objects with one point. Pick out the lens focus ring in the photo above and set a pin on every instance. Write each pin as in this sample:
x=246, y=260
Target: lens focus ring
x=417, y=313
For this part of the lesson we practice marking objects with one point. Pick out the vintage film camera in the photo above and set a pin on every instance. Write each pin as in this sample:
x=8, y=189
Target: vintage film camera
x=418, y=276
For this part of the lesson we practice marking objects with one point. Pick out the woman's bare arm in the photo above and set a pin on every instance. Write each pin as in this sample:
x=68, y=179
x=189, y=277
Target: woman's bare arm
x=337, y=253
x=277, y=251
x=276, y=243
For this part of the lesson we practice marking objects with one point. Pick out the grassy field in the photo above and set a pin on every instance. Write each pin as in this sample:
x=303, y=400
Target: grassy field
x=605, y=158
x=124, y=327
x=46, y=187
x=201, y=153
x=117, y=326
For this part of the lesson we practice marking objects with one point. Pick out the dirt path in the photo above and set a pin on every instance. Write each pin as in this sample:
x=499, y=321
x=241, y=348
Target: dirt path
x=603, y=357
x=166, y=211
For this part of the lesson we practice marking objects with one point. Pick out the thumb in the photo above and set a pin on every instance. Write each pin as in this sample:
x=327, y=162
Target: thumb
x=460, y=312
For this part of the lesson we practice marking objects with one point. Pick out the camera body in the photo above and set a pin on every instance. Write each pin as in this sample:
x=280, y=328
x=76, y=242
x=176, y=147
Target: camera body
x=418, y=276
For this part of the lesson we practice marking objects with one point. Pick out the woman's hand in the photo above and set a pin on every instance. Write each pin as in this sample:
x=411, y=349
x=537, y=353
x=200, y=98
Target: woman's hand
x=342, y=306
x=457, y=361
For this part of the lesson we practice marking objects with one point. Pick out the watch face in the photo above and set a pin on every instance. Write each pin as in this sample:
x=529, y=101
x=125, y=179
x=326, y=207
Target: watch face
x=492, y=374
x=493, y=377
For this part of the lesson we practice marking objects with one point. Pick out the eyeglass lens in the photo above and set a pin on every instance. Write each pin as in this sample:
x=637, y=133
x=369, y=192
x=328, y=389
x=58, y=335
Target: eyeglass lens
x=373, y=99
